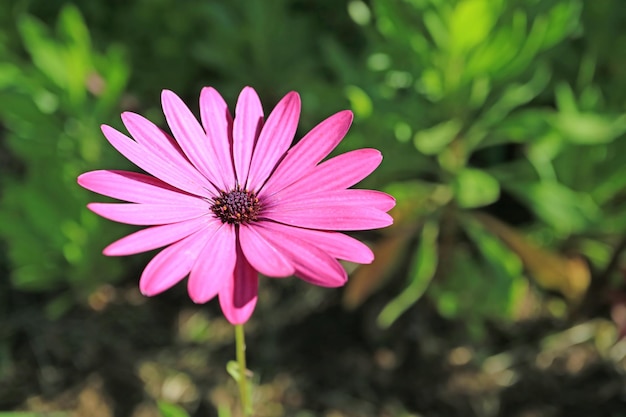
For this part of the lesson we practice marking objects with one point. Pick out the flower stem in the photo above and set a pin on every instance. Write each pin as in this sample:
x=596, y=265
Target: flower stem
x=240, y=342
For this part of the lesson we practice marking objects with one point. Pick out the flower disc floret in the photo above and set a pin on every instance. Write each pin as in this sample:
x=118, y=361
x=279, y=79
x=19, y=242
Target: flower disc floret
x=236, y=206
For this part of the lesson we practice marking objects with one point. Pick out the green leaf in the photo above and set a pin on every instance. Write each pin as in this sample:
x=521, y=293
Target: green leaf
x=471, y=23
x=45, y=53
x=518, y=127
x=516, y=95
x=506, y=281
x=9, y=74
x=171, y=410
x=610, y=186
x=433, y=140
x=563, y=19
x=590, y=128
x=77, y=48
x=560, y=207
x=232, y=367
x=423, y=268
x=360, y=102
x=475, y=188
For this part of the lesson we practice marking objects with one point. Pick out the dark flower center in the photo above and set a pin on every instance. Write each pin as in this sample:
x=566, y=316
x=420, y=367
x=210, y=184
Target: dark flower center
x=236, y=206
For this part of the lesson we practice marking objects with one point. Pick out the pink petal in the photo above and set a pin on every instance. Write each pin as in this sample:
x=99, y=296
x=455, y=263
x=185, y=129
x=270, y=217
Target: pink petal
x=149, y=214
x=218, y=124
x=239, y=294
x=335, y=244
x=172, y=264
x=274, y=140
x=333, y=218
x=178, y=174
x=309, y=151
x=262, y=255
x=312, y=264
x=152, y=137
x=327, y=199
x=248, y=124
x=340, y=172
x=162, y=145
x=214, y=266
x=157, y=236
x=133, y=187
x=192, y=139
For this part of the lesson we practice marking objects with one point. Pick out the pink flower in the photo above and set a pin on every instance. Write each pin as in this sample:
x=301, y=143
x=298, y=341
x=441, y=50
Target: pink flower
x=230, y=199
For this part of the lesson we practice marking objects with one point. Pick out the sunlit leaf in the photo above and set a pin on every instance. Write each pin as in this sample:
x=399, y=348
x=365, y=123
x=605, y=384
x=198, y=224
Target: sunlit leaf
x=45, y=53
x=515, y=95
x=471, y=23
x=589, y=128
x=475, y=188
x=359, y=12
x=359, y=100
x=437, y=28
x=171, y=410
x=504, y=44
x=232, y=367
x=563, y=19
x=432, y=140
x=77, y=51
x=565, y=98
x=557, y=205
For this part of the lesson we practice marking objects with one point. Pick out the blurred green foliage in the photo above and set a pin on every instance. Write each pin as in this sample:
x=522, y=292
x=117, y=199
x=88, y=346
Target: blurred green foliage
x=501, y=121
x=52, y=102
x=494, y=122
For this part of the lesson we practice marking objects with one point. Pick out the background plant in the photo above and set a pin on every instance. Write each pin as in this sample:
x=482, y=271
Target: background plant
x=502, y=126
x=52, y=105
x=475, y=90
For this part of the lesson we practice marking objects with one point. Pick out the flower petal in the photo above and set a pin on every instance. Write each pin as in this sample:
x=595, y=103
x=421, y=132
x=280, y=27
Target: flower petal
x=133, y=187
x=149, y=214
x=339, y=217
x=239, y=294
x=162, y=145
x=262, y=255
x=309, y=151
x=218, y=124
x=274, y=140
x=247, y=126
x=214, y=266
x=192, y=138
x=340, y=172
x=153, y=137
x=172, y=264
x=337, y=245
x=300, y=199
x=180, y=175
x=157, y=236
x=312, y=264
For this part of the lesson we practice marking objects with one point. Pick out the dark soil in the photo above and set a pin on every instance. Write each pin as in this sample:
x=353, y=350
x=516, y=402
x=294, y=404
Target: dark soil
x=120, y=353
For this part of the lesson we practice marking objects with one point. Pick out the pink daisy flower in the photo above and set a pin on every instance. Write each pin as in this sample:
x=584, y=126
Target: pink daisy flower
x=229, y=198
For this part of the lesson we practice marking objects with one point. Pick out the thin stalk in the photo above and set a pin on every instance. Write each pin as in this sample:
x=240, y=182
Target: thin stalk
x=240, y=342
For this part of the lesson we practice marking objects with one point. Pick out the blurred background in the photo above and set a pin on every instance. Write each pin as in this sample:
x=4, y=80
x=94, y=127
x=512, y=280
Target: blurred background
x=499, y=291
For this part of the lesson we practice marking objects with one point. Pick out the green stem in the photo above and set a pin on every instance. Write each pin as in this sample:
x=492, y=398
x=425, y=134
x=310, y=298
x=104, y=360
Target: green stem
x=240, y=342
